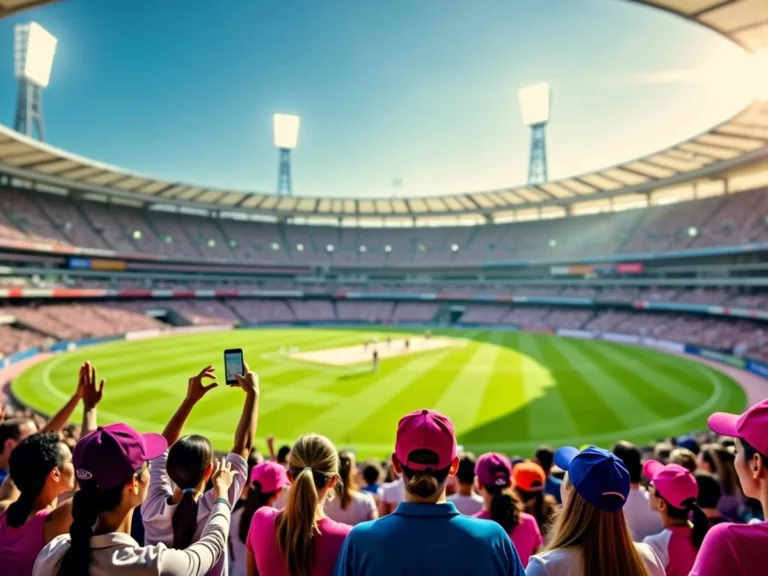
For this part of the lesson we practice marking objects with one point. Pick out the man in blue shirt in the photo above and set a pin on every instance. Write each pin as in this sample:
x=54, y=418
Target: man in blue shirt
x=425, y=534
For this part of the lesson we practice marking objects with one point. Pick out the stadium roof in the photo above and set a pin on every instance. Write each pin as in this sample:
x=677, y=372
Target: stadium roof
x=8, y=7
x=736, y=142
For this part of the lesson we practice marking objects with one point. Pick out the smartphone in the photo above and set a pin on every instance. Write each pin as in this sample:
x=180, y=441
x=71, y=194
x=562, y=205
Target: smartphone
x=233, y=364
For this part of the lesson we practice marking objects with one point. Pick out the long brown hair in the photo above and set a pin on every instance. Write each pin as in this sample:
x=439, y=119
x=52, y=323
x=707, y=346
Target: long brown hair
x=313, y=464
x=602, y=537
x=722, y=463
x=505, y=507
x=347, y=474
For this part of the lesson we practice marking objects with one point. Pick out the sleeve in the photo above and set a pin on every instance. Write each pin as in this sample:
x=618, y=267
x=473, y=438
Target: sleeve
x=344, y=561
x=200, y=557
x=716, y=555
x=236, y=489
x=659, y=544
x=160, y=488
x=535, y=568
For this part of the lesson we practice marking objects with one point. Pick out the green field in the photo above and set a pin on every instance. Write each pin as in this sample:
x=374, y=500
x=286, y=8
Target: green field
x=506, y=391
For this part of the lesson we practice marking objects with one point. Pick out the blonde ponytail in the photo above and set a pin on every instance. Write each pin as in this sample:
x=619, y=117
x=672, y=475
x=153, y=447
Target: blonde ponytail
x=313, y=464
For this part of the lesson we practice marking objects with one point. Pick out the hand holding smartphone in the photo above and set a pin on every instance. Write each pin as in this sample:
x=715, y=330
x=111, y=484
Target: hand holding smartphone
x=233, y=365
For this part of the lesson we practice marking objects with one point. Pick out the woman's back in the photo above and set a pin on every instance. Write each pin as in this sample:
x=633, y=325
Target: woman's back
x=263, y=544
x=360, y=508
x=569, y=562
x=20, y=545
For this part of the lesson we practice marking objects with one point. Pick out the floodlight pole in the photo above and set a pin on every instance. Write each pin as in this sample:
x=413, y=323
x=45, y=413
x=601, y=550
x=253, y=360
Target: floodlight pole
x=537, y=163
x=29, y=109
x=284, y=186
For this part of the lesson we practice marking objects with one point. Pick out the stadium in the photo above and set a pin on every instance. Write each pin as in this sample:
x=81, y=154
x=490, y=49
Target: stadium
x=521, y=326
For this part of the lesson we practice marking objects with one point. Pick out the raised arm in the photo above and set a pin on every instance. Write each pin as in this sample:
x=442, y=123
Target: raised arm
x=246, y=428
x=271, y=448
x=60, y=419
x=91, y=396
x=195, y=391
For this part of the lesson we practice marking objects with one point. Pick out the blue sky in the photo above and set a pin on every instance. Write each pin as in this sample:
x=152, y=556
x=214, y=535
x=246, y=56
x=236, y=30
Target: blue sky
x=420, y=90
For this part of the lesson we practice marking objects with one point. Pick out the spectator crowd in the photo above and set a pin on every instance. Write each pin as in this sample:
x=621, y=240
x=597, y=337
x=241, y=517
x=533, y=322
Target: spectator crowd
x=108, y=500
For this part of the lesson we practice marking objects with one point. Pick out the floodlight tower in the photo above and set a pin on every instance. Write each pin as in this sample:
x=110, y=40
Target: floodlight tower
x=286, y=137
x=534, y=106
x=34, y=48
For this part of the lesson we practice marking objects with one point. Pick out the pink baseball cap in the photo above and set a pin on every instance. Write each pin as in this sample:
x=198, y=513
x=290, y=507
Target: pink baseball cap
x=752, y=426
x=493, y=469
x=673, y=482
x=270, y=475
x=108, y=456
x=425, y=430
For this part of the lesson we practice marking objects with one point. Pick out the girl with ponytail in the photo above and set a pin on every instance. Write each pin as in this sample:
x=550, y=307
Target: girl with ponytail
x=300, y=540
x=673, y=495
x=178, y=506
x=112, y=469
x=493, y=473
x=351, y=506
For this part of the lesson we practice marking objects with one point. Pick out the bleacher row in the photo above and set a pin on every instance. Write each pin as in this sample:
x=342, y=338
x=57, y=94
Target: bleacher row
x=40, y=325
x=730, y=220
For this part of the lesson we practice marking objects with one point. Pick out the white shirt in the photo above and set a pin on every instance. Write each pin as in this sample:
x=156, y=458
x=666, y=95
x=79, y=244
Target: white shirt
x=568, y=562
x=467, y=505
x=361, y=508
x=237, y=559
x=641, y=520
x=392, y=492
x=118, y=554
x=157, y=514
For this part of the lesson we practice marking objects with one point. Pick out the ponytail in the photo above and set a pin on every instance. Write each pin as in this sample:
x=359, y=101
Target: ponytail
x=87, y=503
x=17, y=513
x=505, y=508
x=184, y=520
x=701, y=523
x=297, y=525
x=346, y=472
x=256, y=499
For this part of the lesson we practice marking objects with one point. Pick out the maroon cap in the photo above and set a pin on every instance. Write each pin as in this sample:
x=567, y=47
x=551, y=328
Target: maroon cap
x=270, y=475
x=752, y=426
x=425, y=430
x=493, y=469
x=109, y=455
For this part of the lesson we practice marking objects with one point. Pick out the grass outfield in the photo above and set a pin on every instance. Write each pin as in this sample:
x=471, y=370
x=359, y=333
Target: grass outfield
x=507, y=391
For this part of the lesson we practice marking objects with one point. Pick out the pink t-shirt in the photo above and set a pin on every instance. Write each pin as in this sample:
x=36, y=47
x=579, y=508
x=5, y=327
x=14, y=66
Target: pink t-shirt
x=19, y=546
x=526, y=536
x=733, y=549
x=675, y=549
x=262, y=542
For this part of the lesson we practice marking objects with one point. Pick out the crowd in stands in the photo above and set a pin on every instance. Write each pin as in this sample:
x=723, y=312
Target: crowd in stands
x=97, y=500
x=729, y=220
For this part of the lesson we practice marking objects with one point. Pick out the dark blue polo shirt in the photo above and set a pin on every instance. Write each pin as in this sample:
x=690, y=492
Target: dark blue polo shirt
x=422, y=539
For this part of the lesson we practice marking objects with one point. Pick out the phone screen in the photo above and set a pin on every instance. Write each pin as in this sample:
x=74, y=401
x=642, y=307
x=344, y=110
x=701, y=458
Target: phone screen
x=233, y=365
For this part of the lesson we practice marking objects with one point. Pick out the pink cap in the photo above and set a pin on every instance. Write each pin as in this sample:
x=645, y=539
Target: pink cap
x=425, y=430
x=493, y=469
x=270, y=475
x=110, y=454
x=752, y=426
x=673, y=482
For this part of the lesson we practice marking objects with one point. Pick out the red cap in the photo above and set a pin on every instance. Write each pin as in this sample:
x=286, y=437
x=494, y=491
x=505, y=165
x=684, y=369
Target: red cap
x=752, y=426
x=425, y=430
x=270, y=475
x=673, y=482
x=493, y=469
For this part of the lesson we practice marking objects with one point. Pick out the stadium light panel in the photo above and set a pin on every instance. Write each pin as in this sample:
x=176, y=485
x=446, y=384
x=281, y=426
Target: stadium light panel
x=454, y=247
x=211, y=243
x=693, y=232
x=387, y=248
x=329, y=248
x=275, y=246
x=168, y=240
x=534, y=103
x=34, y=49
x=286, y=131
x=233, y=243
x=137, y=234
x=363, y=249
x=300, y=247
x=552, y=243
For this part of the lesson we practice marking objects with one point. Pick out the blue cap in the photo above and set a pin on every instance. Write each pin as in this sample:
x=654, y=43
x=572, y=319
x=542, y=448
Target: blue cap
x=597, y=476
x=688, y=442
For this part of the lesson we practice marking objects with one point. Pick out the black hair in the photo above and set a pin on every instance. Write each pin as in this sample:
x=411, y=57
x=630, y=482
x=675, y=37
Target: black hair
x=282, y=454
x=690, y=508
x=371, y=473
x=30, y=463
x=466, y=472
x=629, y=454
x=348, y=484
x=545, y=456
x=256, y=499
x=750, y=451
x=710, y=490
x=87, y=504
x=424, y=483
x=11, y=430
x=505, y=507
x=187, y=462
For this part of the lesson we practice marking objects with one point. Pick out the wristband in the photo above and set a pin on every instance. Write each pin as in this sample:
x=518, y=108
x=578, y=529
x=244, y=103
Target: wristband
x=222, y=500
